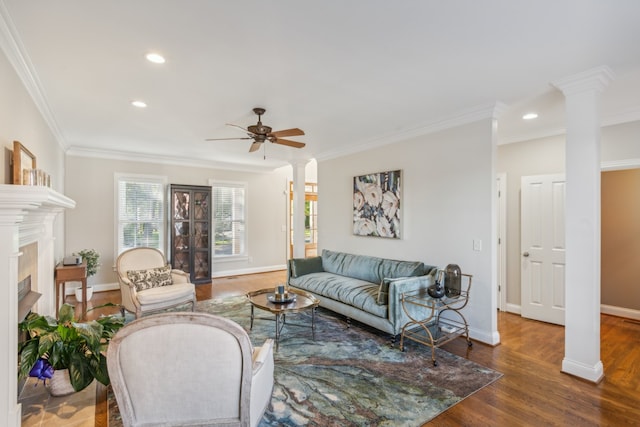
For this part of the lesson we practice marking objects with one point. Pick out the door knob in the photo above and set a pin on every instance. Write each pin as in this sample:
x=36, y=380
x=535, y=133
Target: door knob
x=526, y=254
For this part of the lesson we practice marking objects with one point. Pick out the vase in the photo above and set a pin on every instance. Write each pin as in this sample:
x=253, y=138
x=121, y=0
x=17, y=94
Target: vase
x=452, y=280
x=60, y=383
x=436, y=290
x=79, y=293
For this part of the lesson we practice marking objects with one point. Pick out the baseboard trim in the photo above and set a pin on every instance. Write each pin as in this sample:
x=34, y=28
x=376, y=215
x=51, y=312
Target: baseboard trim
x=96, y=288
x=620, y=311
x=243, y=271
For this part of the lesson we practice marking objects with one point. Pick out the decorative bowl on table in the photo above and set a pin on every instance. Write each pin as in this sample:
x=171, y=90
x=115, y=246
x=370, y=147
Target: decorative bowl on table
x=281, y=298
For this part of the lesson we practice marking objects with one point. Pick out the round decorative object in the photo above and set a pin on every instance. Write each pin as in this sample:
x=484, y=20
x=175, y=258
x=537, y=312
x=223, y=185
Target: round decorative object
x=281, y=298
x=79, y=293
x=436, y=290
x=60, y=384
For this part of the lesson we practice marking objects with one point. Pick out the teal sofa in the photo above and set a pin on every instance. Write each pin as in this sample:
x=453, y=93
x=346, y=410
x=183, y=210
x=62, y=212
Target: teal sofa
x=364, y=288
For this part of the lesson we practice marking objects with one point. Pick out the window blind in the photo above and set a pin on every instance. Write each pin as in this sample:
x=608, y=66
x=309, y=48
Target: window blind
x=229, y=210
x=140, y=213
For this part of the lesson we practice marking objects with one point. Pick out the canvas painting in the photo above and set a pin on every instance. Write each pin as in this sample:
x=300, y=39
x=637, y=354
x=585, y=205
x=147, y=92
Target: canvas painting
x=376, y=204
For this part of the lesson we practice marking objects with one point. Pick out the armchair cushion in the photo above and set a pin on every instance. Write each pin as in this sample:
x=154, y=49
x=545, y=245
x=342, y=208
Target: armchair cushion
x=150, y=278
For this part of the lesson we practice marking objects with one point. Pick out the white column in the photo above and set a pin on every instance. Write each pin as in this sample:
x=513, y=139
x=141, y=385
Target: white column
x=9, y=407
x=582, y=314
x=298, y=208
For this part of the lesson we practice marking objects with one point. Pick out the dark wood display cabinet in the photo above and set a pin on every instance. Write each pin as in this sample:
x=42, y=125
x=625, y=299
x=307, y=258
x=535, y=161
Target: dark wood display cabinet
x=190, y=230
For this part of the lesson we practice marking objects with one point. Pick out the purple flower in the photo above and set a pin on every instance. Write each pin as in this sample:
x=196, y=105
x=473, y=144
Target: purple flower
x=42, y=370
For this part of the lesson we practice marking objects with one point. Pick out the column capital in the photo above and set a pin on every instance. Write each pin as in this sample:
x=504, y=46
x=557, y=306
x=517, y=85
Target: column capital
x=595, y=79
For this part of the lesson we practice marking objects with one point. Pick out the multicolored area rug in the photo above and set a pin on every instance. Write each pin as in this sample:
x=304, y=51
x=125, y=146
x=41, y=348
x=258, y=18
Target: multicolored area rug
x=349, y=376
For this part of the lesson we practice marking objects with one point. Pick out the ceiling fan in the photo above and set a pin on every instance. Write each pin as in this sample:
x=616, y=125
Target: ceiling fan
x=261, y=133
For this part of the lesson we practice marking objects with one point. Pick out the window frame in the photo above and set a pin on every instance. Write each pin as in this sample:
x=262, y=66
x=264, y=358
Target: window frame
x=214, y=183
x=155, y=179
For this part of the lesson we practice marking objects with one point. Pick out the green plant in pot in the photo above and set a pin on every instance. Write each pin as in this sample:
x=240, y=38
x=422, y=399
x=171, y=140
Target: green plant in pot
x=92, y=257
x=54, y=345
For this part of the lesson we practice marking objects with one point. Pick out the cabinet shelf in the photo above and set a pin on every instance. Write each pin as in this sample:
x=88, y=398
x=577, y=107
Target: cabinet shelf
x=190, y=242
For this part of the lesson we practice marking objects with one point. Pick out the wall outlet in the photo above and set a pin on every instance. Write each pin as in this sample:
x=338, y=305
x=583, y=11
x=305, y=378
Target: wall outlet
x=477, y=245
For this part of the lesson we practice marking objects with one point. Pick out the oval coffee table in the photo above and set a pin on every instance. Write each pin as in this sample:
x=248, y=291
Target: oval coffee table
x=263, y=299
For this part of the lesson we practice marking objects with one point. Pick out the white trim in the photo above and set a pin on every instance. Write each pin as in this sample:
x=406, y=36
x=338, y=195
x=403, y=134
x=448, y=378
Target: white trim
x=628, y=313
x=620, y=164
x=243, y=271
x=502, y=247
x=514, y=308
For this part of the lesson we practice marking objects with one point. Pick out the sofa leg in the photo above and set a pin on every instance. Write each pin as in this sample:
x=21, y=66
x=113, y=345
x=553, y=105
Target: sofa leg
x=348, y=319
x=393, y=341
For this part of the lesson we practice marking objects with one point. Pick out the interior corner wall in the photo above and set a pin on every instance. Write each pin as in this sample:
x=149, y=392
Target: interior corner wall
x=20, y=120
x=447, y=186
x=90, y=182
x=547, y=156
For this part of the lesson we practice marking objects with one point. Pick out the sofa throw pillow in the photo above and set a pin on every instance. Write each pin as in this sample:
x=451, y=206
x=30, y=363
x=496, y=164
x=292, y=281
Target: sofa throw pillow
x=302, y=266
x=150, y=278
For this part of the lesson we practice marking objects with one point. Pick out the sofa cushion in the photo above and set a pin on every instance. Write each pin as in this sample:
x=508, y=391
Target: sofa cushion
x=302, y=266
x=150, y=278
x=358, y=293
x=392, y=269
x=357, y=266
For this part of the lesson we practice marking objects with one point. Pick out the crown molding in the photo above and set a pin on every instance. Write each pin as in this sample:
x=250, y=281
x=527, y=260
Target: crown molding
x=170, y=160
x=17, y=56
x=470, y=115
x=595, y=79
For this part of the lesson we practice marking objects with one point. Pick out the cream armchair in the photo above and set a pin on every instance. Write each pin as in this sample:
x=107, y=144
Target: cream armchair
x=176, y=369
x=148, y=284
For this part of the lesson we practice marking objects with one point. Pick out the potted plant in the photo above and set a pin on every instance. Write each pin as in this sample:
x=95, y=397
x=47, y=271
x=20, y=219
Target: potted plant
x=92, y=257
x=53, y=346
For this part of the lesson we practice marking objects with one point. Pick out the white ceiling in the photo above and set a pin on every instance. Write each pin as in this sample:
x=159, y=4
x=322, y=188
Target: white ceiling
x=349, y=73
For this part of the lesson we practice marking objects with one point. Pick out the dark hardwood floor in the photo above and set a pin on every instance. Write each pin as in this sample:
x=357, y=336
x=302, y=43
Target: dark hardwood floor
x=532, y=392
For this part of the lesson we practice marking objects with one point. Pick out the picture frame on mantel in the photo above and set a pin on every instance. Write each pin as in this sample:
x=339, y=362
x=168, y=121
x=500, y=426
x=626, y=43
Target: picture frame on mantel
x=22, y=159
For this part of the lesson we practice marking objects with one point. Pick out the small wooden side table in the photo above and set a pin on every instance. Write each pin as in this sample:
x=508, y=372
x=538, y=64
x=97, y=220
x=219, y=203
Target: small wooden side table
x=71, y=273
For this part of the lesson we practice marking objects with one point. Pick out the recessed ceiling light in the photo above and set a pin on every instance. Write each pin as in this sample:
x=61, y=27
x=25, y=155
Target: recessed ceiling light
x=156, y=58
x=530, y=116
x=139, y=104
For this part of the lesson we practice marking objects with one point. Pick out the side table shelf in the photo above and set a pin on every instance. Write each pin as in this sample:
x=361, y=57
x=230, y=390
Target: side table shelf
x=434, y=330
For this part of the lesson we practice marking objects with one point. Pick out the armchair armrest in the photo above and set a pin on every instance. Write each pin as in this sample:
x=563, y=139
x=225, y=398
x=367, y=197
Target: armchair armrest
x=261, y=355
x=262, y=380
x=179, y=276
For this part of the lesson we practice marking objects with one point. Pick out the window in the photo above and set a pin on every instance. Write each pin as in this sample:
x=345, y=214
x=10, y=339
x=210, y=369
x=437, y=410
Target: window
x=140, y=211
x=229, y=218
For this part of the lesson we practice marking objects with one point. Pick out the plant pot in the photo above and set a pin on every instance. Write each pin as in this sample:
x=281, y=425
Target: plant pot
x=79, y=293
x=60, y=384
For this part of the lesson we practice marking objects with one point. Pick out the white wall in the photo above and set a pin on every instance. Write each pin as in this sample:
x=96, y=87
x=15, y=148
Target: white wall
x=90, y=182
x=546, y=156
x=448, y=186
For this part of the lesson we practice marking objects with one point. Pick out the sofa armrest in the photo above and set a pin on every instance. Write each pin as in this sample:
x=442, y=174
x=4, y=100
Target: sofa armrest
x=397, y=315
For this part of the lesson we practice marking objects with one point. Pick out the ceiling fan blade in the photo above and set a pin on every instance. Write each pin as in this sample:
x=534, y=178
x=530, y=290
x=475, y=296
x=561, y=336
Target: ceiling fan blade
x=287, y=142
x=254, y=147
x=287, y=132
x=226, y=139
x=241, y=128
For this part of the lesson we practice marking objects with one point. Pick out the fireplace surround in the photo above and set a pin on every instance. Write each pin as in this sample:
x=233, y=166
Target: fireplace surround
x=27, y=215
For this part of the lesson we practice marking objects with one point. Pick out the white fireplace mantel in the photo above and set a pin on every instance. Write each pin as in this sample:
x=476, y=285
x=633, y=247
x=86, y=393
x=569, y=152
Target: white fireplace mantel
x=27, y=215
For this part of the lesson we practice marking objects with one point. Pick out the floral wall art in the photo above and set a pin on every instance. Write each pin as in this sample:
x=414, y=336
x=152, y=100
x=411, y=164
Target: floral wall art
x=376, y=204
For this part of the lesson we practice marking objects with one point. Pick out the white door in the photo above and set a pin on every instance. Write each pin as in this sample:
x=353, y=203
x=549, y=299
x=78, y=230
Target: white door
x=543, y=248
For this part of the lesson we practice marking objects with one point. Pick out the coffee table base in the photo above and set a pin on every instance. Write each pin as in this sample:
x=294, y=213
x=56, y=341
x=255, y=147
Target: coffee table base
x=281, y=319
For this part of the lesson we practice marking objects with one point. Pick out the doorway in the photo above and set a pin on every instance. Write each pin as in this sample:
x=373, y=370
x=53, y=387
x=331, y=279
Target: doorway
x=310, y=219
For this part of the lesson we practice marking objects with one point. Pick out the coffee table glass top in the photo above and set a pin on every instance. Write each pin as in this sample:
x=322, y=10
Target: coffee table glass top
x=262, y=299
